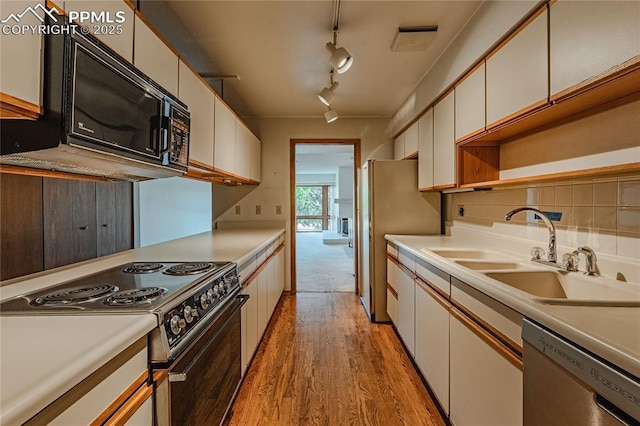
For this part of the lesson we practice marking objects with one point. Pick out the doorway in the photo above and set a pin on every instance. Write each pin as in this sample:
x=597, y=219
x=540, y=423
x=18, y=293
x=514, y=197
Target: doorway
x=324, y=179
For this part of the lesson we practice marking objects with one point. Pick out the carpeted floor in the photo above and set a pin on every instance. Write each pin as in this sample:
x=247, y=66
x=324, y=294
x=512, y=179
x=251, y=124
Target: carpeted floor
x=323, y=267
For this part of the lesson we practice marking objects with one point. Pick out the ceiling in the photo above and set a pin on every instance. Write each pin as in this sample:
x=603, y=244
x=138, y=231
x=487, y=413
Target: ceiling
x=322, y=159
x=277, y=48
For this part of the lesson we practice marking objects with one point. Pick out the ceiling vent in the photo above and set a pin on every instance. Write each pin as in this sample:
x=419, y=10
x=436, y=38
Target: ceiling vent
x=413, y=39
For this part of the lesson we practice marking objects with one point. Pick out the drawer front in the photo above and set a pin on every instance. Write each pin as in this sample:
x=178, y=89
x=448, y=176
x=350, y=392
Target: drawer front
x=434, y=276
x=498, y=318
x=407, y=259
x=392, y=250
x=246, y=269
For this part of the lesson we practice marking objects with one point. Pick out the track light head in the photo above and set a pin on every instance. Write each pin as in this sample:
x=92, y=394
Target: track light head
x=341, y=60
x=326, y=95
x=331, y=115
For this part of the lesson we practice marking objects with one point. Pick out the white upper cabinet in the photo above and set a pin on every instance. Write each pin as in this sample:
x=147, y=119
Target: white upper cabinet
x=256, y=159
x=425, y=150
x=201, y=102
x=243, y=150
x=588, y=38
x=117, y=30
x=517, y=73
x=224, y=158
x=444, y=145
x=21, y=64
x=411, y=141
x=398, y=147
x=470, y=104
x=154, y=58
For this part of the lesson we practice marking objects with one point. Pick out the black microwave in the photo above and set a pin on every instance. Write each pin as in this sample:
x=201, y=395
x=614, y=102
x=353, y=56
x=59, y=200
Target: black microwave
x=102, y=116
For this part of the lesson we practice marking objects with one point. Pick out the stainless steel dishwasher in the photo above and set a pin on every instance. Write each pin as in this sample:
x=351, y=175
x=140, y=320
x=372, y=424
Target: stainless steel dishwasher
x=566, y=385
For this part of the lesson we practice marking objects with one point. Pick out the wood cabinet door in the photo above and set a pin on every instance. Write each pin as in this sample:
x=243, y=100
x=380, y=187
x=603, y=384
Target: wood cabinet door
x=444, y=145
x=201, y=102
x=224, y=158
x=485, y=387
x=69, y=221
x=432, y=341
x=406, y=310
x=470, y=104
x=425, y=150
x=517, y=73
x=120, y=41
x=589, y=38
x=154, y=58
x=114, y=217
x=21, y=227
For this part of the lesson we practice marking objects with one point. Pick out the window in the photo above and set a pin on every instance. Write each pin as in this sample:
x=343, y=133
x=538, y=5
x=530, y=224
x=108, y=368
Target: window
x=313, y=209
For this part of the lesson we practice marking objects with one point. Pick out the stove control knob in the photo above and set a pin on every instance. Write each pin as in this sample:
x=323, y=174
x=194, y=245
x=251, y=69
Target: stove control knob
x=210, y=295
x=190, y=314
x=177, y=324
x=204, y=302
x=216, y=291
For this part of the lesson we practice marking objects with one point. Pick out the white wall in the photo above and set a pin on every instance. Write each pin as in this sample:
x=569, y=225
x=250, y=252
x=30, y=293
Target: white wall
x=345, y=191
x=492, y=21
x=166, y=209
x=276, y=134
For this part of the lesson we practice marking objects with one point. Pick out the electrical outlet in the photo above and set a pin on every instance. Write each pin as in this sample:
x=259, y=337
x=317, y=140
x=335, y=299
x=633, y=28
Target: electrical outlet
x=238, y=210
x=278, y=209
x=258, y=209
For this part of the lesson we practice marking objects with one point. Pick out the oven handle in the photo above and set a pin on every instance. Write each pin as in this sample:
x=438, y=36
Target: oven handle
x=182, y=376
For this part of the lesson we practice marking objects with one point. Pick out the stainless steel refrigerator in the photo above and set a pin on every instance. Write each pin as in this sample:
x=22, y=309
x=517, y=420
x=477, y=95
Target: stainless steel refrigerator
x=390, y=203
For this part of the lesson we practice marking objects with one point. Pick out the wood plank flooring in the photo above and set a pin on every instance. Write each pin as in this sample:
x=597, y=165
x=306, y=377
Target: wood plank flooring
x=322, y=362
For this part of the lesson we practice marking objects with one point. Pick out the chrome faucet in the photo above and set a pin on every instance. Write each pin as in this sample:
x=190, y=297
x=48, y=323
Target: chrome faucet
x=552, y=256
x=591, y=258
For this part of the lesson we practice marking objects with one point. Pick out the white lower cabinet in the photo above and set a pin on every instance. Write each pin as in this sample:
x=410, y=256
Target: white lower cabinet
x=392, y=305
x=406, y=309
x=250, y=329
x=432, y=340
x=486, y=384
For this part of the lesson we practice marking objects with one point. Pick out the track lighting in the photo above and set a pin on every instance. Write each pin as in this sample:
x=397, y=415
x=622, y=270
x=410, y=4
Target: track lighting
x=341, y=60
x=331, y=115
x=327, y=94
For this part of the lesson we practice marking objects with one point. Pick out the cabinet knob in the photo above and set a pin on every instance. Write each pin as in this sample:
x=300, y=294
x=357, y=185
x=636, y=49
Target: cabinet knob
x=84, y=228
x=104, y=225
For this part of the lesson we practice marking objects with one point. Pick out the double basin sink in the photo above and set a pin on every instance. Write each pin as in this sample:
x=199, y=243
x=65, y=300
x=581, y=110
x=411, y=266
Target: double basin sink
x=545, y=285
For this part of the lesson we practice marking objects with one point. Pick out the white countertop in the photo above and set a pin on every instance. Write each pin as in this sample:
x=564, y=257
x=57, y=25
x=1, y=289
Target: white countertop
x=613, y=333
x=42, y=357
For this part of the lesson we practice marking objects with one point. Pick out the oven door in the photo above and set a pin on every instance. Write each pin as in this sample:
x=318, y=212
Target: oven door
x=111, y=108
x=203, y=381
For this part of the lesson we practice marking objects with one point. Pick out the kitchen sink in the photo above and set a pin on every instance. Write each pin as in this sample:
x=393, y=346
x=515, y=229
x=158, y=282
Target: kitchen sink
x=464, y=254
x=487, y=265
x=570, y=288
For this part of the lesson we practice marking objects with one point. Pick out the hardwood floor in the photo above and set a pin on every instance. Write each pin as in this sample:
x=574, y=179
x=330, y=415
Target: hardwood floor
x=322, y=362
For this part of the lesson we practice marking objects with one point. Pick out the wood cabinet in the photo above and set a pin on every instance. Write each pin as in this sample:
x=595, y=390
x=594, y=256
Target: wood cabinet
x=114, y=217
x=201, y=102
x=486, y=380
x=517, y=72
x=470, y=104
x=224, y=159
x=154, y=57
x=21, y=62
x=69, y=221
x=21, y=227
x=590, y=38
x=425, y=151
x=432, y=340
x=444, y=146
x=121, y=43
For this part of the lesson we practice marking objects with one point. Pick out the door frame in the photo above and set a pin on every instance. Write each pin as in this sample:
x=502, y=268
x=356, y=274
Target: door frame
x=292, y=201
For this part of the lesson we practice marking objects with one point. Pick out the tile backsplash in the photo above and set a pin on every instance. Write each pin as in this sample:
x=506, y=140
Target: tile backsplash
x=601, y=213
